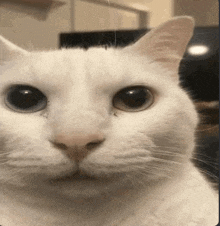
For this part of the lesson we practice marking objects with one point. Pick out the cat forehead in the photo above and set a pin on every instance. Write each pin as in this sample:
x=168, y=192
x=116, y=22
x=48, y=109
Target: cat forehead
x=75, y=66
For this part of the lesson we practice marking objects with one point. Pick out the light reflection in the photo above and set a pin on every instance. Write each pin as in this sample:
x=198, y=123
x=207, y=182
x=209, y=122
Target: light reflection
x=198, y=50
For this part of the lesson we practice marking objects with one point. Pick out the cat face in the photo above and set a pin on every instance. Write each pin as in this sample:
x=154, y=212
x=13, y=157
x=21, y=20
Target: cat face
x=99, y=112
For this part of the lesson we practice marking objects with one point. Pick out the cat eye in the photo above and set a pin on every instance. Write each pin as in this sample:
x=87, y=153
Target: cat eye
x=25, y=99
x=136, y=98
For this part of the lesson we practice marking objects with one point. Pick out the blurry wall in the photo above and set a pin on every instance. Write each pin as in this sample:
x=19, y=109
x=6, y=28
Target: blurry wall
x=159, y=10
x=205, y=12
x=90, y=16
x=34, y=26
x=38, y=27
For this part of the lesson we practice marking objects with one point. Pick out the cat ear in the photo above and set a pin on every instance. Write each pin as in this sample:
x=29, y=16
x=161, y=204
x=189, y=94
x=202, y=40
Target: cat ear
x=166, y=44
x=9, y=51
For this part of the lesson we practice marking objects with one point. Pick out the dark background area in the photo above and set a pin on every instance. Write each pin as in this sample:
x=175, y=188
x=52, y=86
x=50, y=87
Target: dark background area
x=198, y=74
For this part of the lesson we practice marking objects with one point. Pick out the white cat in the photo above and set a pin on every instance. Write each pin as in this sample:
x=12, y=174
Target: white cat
x=101, y=137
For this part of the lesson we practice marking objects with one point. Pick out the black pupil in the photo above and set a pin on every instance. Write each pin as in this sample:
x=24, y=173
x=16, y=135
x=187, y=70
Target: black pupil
x=134, y=98
x=25, y=97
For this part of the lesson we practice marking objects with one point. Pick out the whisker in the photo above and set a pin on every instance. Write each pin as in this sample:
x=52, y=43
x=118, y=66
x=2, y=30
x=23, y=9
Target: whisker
x=202, y=154
x=167, y=161
x=205, y=161
x=207, y=129
x=169, y=153
x=209, y=174
x=164, y=147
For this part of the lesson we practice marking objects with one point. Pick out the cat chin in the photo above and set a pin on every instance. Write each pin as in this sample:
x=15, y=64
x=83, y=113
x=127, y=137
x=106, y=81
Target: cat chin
x=69, y=187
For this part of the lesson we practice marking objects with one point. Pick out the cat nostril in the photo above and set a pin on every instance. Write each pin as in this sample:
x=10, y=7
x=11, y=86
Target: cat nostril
x=94, y=144
x=60, y=146
x=89, y=146
x=75, y=141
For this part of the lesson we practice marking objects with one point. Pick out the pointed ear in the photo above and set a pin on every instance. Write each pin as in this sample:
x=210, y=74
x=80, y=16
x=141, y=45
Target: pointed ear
x=166, y=44
x=9, y=51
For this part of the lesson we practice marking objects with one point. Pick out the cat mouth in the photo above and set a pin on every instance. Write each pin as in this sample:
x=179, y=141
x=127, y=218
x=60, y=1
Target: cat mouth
x=77, y=176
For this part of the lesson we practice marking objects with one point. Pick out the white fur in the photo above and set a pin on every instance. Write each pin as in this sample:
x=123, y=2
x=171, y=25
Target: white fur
x=143, y=169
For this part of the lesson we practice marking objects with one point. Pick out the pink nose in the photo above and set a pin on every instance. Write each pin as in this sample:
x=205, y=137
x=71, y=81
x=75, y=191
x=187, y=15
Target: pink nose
x=79, y=140
x=77, y=146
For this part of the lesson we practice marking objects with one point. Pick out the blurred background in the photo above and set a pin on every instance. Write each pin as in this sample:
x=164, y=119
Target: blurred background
x=36, y=24
x=51, y=24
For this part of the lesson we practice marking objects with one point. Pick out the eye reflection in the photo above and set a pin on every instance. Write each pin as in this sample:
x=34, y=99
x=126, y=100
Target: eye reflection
x=136, y=98
x=25, y=99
